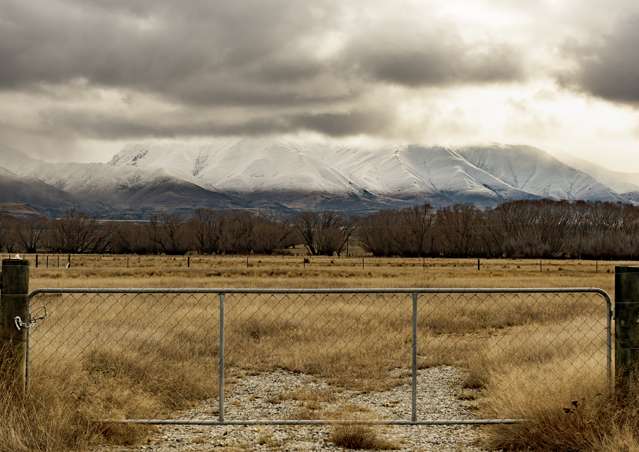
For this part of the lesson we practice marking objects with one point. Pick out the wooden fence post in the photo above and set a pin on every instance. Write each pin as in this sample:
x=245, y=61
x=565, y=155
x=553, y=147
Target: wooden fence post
x=14, y=309
x=626, y=326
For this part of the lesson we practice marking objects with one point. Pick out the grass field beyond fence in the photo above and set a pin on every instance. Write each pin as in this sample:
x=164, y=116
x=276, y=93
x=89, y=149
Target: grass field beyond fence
x=541, y=358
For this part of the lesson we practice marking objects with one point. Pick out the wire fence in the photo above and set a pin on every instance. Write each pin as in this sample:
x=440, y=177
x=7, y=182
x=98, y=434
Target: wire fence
x=121, y=262
x=182, y=354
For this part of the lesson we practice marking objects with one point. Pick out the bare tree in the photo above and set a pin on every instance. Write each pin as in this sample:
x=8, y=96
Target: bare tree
x=324, y=233
x=4, y=232
x=76, y=232
x=269, y=236
x=459, y=226
x=166, y=232
x=8, y=240
x=205, y=227
x=30, y=234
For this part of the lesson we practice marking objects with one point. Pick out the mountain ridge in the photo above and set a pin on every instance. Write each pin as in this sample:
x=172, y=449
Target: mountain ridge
x=285, y=176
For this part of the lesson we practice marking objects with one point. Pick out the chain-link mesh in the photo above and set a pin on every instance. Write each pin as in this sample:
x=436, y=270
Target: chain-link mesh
x=350, y=341
x=164, y=348
x=157, y=353
x=518, y=347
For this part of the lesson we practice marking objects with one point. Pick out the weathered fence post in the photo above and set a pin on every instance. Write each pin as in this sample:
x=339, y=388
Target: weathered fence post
x=626, y=326
x=14, y=318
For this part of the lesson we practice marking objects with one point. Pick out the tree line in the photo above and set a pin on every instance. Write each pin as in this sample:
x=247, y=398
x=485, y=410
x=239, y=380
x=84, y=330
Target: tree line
x=519, y=229
x=205, y=232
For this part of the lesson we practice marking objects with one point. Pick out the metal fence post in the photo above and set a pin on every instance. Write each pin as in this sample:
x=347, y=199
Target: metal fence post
x=14, y=321
x=413, y=417
x=221, y=361
x=626, y=326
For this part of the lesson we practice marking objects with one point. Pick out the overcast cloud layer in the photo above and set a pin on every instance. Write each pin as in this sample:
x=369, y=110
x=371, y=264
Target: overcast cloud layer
x=78, y=78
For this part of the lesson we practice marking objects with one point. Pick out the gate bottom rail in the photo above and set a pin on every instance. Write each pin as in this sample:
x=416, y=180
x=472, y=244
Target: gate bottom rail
x=213, y=423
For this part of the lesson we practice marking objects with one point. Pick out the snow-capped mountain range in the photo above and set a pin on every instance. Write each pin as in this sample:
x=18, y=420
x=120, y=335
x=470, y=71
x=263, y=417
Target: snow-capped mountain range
x=285, y=176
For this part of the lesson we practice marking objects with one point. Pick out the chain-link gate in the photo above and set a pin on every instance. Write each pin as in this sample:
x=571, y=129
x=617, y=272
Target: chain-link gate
x=196, y=356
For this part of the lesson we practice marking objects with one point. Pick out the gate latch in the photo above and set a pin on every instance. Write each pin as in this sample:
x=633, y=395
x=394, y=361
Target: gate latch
x=31, y=323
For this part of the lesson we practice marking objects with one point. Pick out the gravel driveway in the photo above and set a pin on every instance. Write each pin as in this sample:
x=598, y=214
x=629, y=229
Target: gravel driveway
x=284, y=395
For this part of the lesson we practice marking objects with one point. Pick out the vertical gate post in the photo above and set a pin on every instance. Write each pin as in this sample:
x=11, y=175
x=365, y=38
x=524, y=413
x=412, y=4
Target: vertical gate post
x=221, y=365
x=413, y=416
x=14, y=318
x=626, y=326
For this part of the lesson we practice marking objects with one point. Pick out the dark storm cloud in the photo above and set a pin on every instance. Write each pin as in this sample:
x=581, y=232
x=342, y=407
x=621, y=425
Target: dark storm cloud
x=113, y=126
x=221, y=58
x=608, y=68
x=108, y=126
x=435, y=59
x=198, y=51
x=344, y=124
x=209, y=50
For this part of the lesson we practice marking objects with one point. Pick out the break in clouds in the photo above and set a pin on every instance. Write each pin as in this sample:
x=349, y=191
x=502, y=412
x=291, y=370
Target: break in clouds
x=116, y=70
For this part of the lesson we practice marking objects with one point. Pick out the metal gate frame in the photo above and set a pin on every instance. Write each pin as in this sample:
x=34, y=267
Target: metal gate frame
x=413, y=292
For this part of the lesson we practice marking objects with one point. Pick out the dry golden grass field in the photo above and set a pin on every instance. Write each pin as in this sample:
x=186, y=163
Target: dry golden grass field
x=536, y=357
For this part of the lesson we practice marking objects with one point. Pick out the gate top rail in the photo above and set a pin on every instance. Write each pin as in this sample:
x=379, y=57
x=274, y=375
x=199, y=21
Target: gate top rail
x=350, y=290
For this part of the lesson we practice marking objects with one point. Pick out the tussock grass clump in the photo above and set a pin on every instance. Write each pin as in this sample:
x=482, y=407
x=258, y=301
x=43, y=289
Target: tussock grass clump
x=592, y=423
x=360, y=437
x=71, y=393
x=50, y=418
x=575, y=414
x=306, y=395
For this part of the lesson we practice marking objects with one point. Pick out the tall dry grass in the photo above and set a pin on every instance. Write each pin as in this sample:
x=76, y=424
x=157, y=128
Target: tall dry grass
x=100, y=358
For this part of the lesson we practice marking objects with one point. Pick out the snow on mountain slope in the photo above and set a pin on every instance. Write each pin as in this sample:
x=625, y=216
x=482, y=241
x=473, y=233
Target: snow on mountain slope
x=85, y=178
x=263, y=165
x=5, y=173
x=181, y=160
x=251, y=165
x=282, y=175
x=106, y=187
x=33, y=192
x=414, y=169
x=536, y=172
x=617, y=180
x=240, y=165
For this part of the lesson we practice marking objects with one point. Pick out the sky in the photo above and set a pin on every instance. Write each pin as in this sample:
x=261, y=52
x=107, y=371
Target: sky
x=80, y=79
